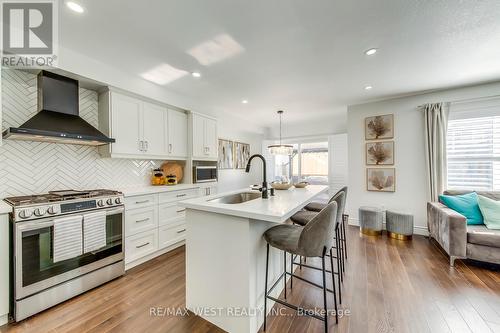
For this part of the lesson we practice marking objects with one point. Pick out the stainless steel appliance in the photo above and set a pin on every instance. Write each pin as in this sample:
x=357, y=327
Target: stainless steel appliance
x=37, y=282
x=205, y=173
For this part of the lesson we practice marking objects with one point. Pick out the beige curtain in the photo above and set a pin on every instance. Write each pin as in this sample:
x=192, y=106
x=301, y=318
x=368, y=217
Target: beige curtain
x=436, y=125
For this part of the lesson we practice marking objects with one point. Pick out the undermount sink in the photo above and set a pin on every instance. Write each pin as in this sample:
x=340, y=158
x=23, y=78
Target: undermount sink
x=237, y=198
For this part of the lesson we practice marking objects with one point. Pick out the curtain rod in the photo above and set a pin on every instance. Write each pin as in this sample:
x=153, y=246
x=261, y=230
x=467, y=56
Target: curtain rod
x=466, y=100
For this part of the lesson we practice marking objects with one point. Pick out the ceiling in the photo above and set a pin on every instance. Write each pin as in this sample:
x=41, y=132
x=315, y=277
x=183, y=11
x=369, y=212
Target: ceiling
x=305, y=57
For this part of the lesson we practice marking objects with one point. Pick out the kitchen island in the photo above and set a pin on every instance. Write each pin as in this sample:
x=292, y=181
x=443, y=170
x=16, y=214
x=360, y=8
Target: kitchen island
x=225, y=253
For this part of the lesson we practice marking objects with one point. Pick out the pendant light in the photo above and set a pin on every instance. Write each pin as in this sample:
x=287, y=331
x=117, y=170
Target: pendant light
x=280, y=149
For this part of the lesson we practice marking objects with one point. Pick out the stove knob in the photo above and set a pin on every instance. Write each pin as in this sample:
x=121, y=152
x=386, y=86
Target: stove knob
x=100, y=203
x=52, y=210
x=25, y=213
x=109, y=201
x=40, y=212
x=118, y=201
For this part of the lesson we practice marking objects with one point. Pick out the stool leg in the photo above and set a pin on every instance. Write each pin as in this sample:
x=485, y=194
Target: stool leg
x=339, y=272
x=334, y=289
x=339, y=257
x=341, y=247
x=324, y=293
x=291, y=270
x=265, y=288
x=345, y=219
x=284, y=267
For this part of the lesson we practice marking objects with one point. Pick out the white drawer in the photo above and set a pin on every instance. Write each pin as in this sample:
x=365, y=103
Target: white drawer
x=141, y=245
x=141, y=201
x=168, y=235
x=178, y=195
x=139, y=220
x=170, y=213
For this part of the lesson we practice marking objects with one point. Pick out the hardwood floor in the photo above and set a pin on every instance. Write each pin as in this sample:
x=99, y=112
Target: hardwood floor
x=389, y=286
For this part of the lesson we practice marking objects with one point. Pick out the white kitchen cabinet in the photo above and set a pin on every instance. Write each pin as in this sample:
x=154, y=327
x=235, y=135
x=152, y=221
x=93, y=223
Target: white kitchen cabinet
x=126, y=124
x=208, y=190
x=4, y=268
x=154, y=129
x=142, y=129
x=204, y=132
x=177, y=134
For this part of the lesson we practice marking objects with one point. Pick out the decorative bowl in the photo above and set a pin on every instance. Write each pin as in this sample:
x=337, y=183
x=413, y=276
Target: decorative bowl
x=281, y=186
x=301, y=184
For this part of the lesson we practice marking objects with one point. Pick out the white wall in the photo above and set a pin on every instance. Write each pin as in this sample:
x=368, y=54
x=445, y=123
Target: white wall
x=234, y=129
x=411, y=182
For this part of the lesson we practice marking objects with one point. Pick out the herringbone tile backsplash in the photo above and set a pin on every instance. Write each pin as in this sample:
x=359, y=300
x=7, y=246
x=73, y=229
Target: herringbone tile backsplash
x=37, y=167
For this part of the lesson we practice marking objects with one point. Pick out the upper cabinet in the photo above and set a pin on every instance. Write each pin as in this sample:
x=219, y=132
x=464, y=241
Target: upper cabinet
x=141, y=129
x=204, y=137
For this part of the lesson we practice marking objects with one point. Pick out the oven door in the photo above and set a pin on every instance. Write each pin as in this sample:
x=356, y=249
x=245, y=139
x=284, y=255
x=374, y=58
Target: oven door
x=33, y=244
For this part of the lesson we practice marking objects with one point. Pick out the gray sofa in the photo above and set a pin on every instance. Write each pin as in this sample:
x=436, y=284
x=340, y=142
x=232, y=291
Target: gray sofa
x=459, y=240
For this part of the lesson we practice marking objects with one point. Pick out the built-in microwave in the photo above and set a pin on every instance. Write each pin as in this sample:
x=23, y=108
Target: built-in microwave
x=204, y=174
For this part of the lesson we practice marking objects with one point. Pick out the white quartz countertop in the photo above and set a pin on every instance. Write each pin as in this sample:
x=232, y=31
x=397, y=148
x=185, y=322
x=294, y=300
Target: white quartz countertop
x=5, y=208
x=140, y=190
x=275, y=209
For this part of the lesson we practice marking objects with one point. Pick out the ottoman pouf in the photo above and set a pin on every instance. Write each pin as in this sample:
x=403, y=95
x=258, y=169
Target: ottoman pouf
x=370, y=220
x=399, y=225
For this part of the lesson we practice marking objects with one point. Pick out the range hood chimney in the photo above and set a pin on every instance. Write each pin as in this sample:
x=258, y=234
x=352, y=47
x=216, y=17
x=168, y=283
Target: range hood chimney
x=58, y=117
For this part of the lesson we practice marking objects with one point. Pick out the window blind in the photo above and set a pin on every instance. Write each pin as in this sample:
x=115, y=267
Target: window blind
x=473, y=152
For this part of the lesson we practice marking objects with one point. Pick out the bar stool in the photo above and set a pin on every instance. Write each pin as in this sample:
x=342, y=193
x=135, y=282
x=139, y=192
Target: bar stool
x=303, y=217
x=318, y=206
x=313, y=240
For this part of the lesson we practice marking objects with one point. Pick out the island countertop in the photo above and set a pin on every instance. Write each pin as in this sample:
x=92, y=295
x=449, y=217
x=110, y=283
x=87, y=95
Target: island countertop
x=276, y=209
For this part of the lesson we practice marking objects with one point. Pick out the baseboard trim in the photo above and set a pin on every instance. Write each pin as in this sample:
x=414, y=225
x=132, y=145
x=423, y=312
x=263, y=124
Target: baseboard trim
x=417, y=230
x=4, y=319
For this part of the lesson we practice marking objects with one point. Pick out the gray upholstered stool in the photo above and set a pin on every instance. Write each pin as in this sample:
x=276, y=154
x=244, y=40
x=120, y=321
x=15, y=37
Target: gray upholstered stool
x=399, y=225
x=370, y=220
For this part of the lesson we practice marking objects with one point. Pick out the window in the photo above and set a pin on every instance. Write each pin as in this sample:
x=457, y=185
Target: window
x=309, y=162
x=473, y=150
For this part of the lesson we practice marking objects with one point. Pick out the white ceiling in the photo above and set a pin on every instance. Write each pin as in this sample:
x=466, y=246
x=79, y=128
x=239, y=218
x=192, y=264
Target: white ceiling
x=303, y=56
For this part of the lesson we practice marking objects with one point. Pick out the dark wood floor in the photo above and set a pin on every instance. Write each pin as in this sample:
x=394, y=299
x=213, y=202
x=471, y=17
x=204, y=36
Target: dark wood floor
x=390, y=286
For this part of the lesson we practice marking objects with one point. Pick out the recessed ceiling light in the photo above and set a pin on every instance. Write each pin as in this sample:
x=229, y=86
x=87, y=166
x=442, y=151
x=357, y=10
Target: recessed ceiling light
x=75, y=7
x=368, y=88
x=371, y=52
x=244, y=101
x=196, y=74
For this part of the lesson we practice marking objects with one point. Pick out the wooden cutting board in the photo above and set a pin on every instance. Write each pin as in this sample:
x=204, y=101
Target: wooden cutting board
x=173, y=168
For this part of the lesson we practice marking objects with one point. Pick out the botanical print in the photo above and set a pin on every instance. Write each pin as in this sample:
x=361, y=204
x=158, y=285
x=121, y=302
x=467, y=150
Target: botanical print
x=225, y=154
x=379, y=127
x=380, y=153
x=241, y=155
x=381, y=180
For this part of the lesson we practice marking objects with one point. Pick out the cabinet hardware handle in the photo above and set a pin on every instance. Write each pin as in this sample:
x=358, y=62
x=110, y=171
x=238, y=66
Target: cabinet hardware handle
x=146, y=143
x=169, y=147
x=139, y=246
x=140, y=145
x=143, y=220
x=181, y=210
x=141, y=202
x=181, y=195
x=180, y=231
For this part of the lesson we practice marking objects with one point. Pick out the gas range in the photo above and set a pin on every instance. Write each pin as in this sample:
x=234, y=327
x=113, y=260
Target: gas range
x=57, y=203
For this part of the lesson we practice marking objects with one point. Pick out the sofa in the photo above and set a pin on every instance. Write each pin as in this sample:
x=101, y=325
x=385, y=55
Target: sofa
x=459, y=240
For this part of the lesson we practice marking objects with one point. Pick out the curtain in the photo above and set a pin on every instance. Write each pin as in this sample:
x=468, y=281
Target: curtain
x=436, y=125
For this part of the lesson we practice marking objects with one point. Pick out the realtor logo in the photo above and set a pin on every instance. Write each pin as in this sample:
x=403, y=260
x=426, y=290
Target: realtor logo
x=29, y=36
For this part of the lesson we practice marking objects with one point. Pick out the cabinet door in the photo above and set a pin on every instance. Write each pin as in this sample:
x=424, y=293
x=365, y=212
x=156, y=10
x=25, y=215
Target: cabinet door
x=126, y=124
x=199, y=149
x=177, y=134
x=154, y=129
x=210, y=139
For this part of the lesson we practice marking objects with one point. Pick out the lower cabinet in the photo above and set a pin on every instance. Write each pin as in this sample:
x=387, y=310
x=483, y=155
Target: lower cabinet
x=153, y=223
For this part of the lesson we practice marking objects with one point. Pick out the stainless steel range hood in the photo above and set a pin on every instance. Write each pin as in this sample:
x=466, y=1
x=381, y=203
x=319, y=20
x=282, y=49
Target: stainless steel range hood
x=58, y=117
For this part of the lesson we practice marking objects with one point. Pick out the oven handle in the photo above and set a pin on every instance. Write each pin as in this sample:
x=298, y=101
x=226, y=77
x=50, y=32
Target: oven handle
x=49, y=222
